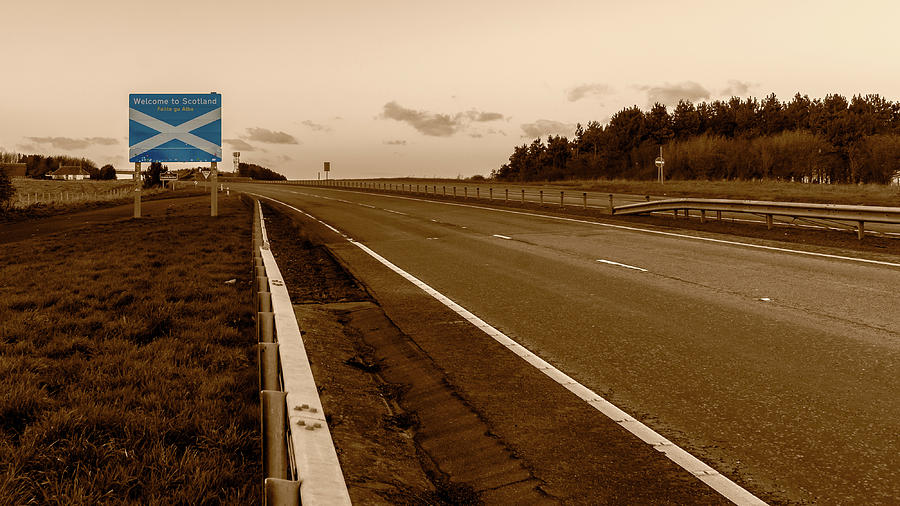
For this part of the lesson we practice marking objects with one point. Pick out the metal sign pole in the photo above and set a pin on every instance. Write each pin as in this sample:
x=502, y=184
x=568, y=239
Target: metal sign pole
x=137, y=189
x=214, y=190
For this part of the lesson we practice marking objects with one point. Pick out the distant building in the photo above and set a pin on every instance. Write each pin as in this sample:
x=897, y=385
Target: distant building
x=70, y=172
x=13, y=170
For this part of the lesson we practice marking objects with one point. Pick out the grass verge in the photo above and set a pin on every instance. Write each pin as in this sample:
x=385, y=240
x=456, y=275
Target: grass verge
x=127, y=363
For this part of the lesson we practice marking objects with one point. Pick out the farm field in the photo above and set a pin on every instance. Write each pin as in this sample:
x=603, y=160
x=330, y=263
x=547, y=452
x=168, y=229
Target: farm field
x=128, y=372
x=56, y=192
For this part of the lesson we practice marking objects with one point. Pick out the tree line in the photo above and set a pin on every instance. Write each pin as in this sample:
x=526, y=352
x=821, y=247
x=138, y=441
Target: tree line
x=40, y=166
x=830, y=140
x=258, y=172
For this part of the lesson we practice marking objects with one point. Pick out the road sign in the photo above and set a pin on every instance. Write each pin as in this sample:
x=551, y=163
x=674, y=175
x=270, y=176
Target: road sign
x=205, y=173
x=175, y=127
x=168, y=176
x=660, y=162
x=327, y=166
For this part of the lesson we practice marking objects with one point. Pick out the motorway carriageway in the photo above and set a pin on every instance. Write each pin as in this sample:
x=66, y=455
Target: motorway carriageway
x=778, y=368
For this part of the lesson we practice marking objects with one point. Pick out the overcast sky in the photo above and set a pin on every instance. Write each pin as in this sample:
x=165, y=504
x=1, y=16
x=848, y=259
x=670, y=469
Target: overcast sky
x=414, y=88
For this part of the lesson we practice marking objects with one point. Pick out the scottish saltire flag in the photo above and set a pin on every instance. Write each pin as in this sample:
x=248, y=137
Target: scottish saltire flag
x=175, y=127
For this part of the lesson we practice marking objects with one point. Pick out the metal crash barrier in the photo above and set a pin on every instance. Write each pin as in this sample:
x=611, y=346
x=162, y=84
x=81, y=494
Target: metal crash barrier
x=300, y=464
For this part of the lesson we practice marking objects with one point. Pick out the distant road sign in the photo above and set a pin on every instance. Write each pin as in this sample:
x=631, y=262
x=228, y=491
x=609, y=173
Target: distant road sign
x=659, y=161
x=327, y=166
x=168, y=176
x=175, y=127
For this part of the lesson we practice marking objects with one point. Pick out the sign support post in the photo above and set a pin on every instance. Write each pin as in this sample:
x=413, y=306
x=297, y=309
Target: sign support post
x=214, y=190
x=137, y=189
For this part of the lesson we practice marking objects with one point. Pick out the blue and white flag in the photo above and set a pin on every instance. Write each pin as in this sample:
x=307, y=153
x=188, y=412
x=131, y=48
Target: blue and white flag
x=175, y=127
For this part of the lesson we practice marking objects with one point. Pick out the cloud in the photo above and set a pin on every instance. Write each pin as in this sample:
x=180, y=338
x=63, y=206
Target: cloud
x=239, y=145
x=269, y=136
x=544, y=127
x=670, y=94
x=483, y=117
x=436, y=124
x=736, y=88
x=71, y=143
x=588, y=90
x=398, y=142
x=316, y=127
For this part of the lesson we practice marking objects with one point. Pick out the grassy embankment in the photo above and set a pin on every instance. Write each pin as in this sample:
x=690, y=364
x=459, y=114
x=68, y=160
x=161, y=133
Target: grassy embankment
x=783, y=191
x=127, y=363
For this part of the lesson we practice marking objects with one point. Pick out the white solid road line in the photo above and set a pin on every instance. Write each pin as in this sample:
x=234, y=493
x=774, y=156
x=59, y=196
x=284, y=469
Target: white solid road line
x=502, y=236
x=610, y=262
x=642, y=230
x=721, y=484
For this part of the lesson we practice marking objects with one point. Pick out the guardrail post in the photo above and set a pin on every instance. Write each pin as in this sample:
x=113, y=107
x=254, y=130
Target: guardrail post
x=719, y=215
x=445, y=190
x=506, y=198
x=491, y=194
x=268, y=366
x=561, y=197
x=282, y=492
x=610, y=203
x=466, y=192
x=523, y=196
x=860, y=229
x=769, y=221
x=675, y=213
x=584, y=199
x=274, y=444
x=477, y=192
x=702, y=216
x=542, y=197
x=262, y=283
x=454, y=192
x=265, y=327
x=264, y=302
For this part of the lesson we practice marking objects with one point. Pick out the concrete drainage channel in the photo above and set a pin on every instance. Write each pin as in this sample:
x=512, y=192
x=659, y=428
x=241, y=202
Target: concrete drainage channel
x=300, y=464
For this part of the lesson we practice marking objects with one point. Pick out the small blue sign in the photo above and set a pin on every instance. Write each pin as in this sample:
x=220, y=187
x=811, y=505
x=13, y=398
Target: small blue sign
x=182, y=127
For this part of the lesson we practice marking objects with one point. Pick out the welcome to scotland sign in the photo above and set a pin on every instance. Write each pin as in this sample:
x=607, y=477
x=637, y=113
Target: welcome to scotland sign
x=175, y=127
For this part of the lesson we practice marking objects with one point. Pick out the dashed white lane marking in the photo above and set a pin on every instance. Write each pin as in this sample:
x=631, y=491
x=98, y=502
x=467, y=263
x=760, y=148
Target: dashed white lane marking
x=730, y=490
x=502, y=236
x=643, y=230
x=396, y=212
x=367, y=205
x=610, y=262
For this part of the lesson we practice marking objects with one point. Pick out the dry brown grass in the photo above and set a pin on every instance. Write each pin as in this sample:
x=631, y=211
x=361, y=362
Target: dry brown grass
x=127, y=370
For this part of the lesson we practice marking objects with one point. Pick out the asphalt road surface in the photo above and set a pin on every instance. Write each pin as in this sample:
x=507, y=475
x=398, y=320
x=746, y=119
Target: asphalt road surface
x=778, y=367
